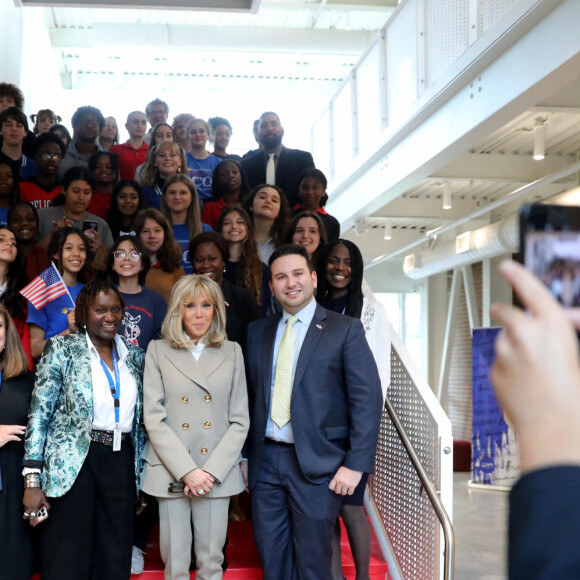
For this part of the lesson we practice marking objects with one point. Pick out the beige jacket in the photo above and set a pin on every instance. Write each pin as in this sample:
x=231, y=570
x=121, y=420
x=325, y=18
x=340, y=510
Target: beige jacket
x=196, y=415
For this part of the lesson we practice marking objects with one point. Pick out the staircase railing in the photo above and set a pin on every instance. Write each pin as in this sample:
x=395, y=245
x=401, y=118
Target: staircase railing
x=411, y=494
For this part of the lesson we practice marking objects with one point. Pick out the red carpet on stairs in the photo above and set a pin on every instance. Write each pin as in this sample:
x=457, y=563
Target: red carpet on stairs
x=243, y=558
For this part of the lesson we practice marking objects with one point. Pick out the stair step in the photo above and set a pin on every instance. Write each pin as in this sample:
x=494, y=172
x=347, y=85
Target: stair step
x=243, y=558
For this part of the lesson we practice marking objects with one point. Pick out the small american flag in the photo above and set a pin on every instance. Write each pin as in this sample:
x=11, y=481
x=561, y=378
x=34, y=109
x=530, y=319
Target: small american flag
x=45, y=288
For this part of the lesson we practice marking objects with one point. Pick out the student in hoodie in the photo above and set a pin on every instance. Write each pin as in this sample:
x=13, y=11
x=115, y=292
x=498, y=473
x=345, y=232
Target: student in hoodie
x=87, y=123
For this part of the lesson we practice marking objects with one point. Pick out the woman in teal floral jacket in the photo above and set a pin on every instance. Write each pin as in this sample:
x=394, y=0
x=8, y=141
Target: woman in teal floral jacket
x=84, y=442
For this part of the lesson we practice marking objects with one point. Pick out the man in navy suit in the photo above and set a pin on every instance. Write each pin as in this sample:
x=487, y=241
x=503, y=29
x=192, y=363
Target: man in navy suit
x=302, y=464
x=288, y=164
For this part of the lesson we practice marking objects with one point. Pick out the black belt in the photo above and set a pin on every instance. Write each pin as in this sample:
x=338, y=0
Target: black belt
x=105, y=437
x=283, y=443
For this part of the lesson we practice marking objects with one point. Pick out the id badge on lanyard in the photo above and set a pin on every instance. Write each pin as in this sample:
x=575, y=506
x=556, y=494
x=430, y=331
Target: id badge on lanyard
x=115, y=386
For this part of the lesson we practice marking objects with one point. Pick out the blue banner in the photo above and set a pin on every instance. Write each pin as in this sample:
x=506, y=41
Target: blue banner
x=494, y=450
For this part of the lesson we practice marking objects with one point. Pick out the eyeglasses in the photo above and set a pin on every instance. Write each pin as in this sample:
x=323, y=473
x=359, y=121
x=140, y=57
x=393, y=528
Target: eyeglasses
x=121, y=255
x=46, y=156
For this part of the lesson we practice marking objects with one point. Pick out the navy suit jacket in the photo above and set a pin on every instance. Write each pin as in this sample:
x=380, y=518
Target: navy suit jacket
x=336, y=403
x=544, y=525
x=291, y=164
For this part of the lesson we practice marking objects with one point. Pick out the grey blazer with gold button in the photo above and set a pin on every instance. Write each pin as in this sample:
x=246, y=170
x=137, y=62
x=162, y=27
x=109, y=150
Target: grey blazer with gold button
x=196, y=415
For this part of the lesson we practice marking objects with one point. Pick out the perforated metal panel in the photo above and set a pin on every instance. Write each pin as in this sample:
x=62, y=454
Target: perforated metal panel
x=407, y=515
x=446, y=30
x=491, y=10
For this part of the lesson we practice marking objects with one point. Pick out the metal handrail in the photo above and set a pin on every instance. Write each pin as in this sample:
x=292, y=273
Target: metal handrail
x=448, y=533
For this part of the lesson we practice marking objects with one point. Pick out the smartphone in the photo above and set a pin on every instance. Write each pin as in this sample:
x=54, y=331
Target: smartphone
x=90, y=225
x=550, y=248
x=41, y=515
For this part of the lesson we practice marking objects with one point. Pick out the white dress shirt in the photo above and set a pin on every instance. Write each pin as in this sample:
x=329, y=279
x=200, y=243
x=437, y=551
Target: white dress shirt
x=103, y=402
x=305, y=317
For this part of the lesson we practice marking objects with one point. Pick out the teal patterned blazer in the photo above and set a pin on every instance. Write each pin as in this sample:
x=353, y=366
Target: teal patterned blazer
x=61, y=412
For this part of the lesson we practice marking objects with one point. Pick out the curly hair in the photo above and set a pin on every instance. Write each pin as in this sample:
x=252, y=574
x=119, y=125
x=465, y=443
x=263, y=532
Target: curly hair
x=12, y=92
x=113, y=158
x=209, y=238
x=88, y=110
x=87, y=296
x=249, y=272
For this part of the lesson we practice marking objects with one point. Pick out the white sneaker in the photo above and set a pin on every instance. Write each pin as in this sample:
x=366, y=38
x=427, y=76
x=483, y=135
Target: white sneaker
x=137, y=561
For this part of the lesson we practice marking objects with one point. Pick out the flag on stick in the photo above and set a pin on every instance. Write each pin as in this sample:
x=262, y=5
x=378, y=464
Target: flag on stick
x=45, y=288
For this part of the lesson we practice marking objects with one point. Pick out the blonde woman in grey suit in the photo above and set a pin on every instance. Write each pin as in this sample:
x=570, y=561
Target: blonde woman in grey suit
x=196, y=415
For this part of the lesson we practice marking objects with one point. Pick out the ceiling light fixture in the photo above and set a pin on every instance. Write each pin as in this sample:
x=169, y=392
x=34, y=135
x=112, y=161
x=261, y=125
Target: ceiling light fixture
x=388, y=231
x=539, y=140
x=447, y=197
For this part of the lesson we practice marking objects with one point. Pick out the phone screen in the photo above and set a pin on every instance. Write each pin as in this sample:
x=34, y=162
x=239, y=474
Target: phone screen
x=90, y=225
x=550, y=247
x=555, y=258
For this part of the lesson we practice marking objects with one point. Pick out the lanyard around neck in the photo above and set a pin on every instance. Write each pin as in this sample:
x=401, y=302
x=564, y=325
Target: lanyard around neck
x=114, y=385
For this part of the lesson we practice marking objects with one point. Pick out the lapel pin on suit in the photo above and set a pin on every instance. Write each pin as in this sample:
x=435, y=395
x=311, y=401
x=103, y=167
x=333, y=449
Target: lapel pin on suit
x=319, y=326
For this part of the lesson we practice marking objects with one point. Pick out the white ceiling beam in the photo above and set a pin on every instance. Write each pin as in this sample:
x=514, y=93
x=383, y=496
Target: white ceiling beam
x=500, y=167
x=537, y=62
x=211, y=38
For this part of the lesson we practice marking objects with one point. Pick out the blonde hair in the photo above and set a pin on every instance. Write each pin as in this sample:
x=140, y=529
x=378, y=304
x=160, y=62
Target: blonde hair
x=13, y=359
x=194, y=285
x=149, y=174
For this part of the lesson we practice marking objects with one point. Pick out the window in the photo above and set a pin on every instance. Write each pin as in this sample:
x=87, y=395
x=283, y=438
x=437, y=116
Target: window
x=404, y=310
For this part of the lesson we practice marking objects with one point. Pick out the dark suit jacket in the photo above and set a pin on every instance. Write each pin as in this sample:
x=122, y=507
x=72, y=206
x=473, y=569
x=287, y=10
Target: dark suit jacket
x=544, y=525
x=241, y=310
x=290, y=166
x=336, y=396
